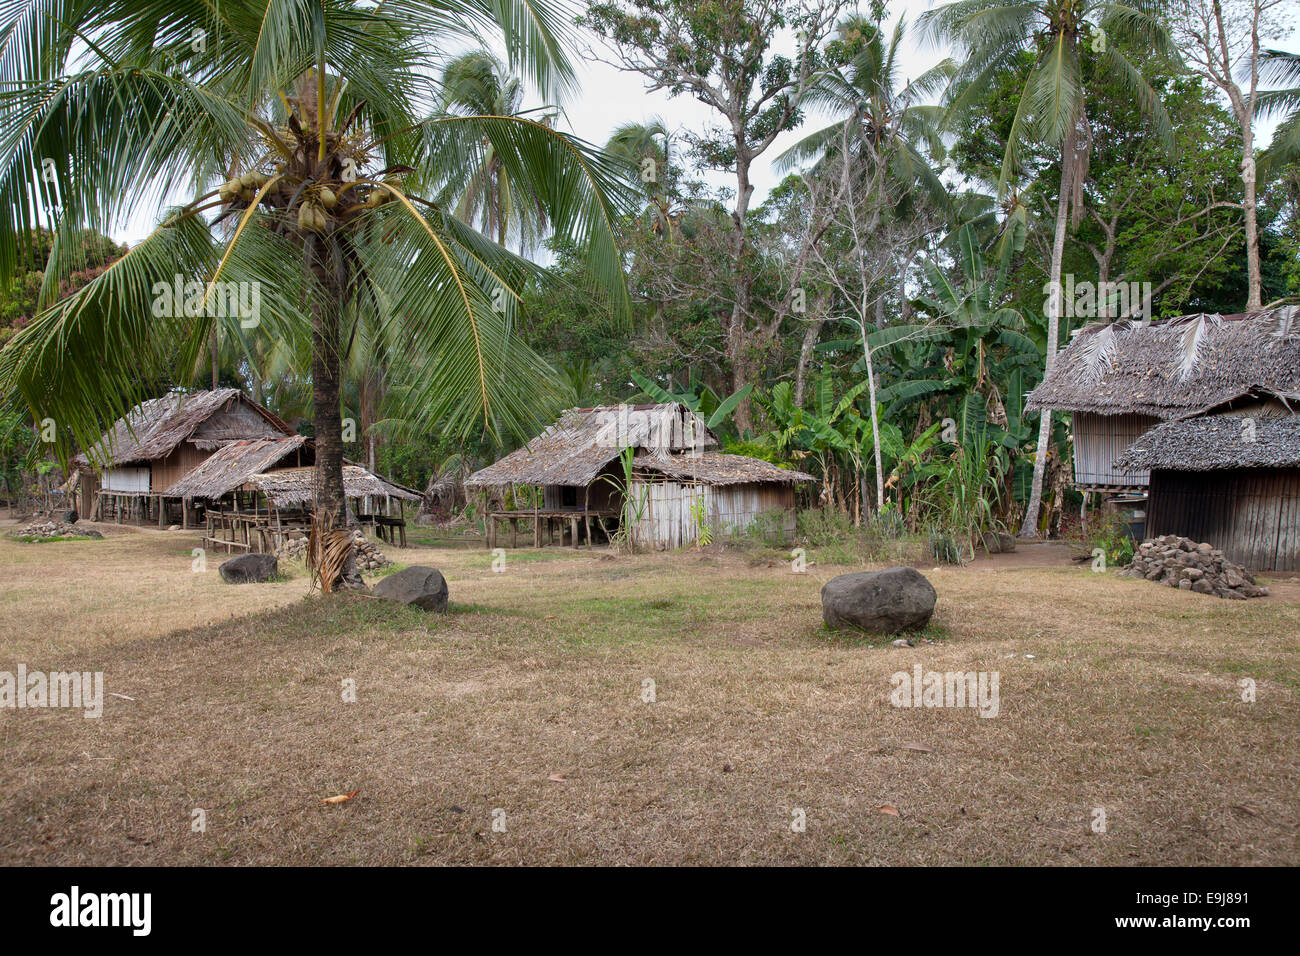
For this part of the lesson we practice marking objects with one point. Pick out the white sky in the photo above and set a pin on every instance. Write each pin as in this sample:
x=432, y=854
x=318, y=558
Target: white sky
x=608, y=97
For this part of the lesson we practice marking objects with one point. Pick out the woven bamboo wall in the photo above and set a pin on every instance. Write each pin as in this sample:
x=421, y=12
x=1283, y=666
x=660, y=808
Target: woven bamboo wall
x=667, y=521
x=1098, y=441
x=1252, y=514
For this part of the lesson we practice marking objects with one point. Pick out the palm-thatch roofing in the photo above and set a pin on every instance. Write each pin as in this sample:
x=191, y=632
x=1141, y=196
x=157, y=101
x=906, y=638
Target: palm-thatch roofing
x=293, y=487
x=715, y=468
x=1216, y=442
x=233, y=465
x=578, y=447
x=1173, y=368
x=153, y=429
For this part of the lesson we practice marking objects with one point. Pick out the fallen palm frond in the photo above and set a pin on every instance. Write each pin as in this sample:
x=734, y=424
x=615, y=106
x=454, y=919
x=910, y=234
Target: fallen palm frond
x=328, y=551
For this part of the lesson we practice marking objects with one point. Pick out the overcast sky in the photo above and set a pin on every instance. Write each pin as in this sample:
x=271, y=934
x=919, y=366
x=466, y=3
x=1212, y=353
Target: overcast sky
x=608, y=97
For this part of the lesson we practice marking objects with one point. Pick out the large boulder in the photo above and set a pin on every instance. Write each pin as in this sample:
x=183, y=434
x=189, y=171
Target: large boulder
x=881, y=602
x=250, y=569
x=423, y=587
x=998, y=542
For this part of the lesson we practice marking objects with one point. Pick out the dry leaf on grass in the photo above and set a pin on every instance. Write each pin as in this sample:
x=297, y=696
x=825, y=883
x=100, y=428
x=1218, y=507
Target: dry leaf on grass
x=342, y=797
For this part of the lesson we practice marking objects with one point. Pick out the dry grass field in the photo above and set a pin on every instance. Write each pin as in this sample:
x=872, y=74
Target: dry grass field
x=526, y=701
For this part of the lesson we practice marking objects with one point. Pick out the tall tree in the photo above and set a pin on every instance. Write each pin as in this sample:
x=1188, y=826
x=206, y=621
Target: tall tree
x=324, y=130
x=1221, y=43
x=479, y=84
x=722, y=54
x=991, y=35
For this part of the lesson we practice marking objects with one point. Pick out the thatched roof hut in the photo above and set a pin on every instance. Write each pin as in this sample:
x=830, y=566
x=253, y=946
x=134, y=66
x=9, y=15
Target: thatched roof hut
x=1267, y=438
x=1121, y=380
x=295, y=487
x=578, y=447
x=679, y=480
x=1172, y=368
x=206, y=420
x=233, y=466
x=1229, y=475
x=714, y=468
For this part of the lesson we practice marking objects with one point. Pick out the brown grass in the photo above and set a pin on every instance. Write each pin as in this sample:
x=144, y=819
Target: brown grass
x=1129, y=703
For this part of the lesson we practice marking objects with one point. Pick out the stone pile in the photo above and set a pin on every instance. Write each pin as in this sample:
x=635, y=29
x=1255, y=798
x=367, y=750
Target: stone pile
x=1191, y=566
x=49, y=528
x=367, y=553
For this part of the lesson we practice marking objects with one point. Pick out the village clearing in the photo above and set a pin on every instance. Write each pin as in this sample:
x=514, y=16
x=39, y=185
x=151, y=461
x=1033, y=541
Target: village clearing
x=522, y=728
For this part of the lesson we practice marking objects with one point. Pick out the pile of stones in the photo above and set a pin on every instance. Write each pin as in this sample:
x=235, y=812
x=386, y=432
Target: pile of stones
x=1190, y=566
x=50, y=528
x=367, y=553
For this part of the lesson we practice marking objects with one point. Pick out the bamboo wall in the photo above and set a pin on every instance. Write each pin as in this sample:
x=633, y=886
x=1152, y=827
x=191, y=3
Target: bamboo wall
x=126, y=479
x=183, y=459
x=666, y=520
x=1098, y=441
x=1252, y=514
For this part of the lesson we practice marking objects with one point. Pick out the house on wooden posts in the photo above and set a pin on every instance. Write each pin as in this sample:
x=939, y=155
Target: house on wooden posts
x=225, y=463
x=1228, y=474
x=1119, y=381
x=127, y=473
x=651, y=471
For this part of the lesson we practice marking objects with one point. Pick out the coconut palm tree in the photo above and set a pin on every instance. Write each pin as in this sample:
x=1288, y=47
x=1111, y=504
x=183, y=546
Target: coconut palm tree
x=645, y=148
x=479, y=84
x=991, y=36
x=1283, y=101
x=881, y=119
x=316, y=128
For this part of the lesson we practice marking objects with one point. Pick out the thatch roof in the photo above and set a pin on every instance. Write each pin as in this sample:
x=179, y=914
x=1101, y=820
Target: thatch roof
x=1216, y=442
x=715, y=468
x=584, y=441
x=293, y=487
x=233, y=465
x=1128, y=368
x=154, y=428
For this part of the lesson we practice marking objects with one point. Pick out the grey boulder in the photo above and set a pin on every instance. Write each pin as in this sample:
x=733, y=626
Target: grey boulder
x=250, y=569
x=880, y=602
x=423, y=587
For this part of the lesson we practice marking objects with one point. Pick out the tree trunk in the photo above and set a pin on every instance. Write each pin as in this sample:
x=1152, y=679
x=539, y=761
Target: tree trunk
x=1029, y=527
x=810, y=334
x=1254, y=300
x=875, y=419
x=326, y=390
x=216, y=369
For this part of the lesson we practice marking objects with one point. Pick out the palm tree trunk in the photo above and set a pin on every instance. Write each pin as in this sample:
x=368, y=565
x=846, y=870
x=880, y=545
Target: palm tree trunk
x=1029, y=527
x=215, y=364
x=326, y=390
